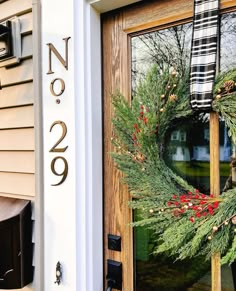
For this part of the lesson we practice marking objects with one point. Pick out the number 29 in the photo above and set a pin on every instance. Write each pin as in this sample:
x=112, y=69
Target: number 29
x=64, y=172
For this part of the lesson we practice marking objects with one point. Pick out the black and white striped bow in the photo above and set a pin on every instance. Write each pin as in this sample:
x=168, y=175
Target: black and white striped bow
x=203, y=53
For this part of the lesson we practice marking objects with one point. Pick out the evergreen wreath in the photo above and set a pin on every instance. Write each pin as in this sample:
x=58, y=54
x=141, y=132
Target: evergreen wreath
x=186, y=223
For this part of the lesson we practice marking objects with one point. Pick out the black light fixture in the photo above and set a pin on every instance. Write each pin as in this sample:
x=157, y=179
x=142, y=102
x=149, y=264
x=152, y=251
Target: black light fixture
x=6, y=50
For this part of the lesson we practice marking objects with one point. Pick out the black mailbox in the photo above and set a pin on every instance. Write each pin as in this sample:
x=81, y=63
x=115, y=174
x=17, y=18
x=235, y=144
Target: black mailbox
x=16, y=269
x=6, y=49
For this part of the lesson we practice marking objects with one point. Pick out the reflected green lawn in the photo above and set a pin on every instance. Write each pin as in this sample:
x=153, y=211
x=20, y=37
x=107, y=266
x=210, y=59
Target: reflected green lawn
x=199, y=169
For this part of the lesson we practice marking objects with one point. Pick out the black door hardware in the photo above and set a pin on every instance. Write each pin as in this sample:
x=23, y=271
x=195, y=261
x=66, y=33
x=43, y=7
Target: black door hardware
x=58, y=274
x=114, y=275
x=114, y=242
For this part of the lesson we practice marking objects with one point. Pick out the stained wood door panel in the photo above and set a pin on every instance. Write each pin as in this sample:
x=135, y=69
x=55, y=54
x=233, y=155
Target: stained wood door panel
x=115, y=203
x=156, y=13
x=117, y=77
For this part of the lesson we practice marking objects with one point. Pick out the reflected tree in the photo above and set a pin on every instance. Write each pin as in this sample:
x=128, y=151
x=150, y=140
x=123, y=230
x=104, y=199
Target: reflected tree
x=228, y=42
x=168, y=48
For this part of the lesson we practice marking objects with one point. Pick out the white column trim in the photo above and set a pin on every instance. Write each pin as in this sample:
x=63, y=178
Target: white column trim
x=90, y=198
x=74, y=229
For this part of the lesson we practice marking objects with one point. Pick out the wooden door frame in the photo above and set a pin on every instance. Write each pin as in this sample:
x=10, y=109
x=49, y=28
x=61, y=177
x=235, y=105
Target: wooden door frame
x=117, y=28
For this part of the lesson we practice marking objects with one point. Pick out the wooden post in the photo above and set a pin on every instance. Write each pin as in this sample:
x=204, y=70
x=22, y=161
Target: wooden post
x=215, y=190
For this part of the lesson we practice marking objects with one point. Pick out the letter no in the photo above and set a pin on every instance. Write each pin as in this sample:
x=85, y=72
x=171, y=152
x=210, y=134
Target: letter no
x=63, y=61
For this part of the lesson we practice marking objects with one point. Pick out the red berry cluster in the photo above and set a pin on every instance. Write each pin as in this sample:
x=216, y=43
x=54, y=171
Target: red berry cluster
x=142, y=124
x=134, y=136
x=142, y=117
x=142, y=112
x=201, y=204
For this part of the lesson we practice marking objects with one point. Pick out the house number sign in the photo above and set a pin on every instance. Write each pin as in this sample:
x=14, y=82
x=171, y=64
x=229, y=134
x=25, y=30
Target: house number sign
x=57, y=88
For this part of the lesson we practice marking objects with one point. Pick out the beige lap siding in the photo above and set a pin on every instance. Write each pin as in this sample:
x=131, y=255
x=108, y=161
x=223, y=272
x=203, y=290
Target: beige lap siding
x=18, y=95
x=17, y=144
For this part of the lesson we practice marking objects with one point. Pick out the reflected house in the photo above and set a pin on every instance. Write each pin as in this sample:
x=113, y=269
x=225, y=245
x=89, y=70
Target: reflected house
x=180, y=151
x=199, y=141
x=201, y=151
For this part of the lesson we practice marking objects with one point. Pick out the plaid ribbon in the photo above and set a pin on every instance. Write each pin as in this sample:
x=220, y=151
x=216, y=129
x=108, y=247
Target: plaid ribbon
x=203, y=53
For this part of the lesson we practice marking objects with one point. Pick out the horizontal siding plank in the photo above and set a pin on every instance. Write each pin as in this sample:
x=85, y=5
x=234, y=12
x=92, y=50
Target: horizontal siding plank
x=16, y=95
x=17, y=162
x=17, y=139
x=17, y=74
x=27, y=46
x=18, y=117
x=17, y=196
x=26, y=23
x=14, y=7
x=15, y=183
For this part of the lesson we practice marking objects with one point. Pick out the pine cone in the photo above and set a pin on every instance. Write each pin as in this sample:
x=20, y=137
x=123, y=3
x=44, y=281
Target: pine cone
x=229, y=85
x=140, y=157
x=173, y=97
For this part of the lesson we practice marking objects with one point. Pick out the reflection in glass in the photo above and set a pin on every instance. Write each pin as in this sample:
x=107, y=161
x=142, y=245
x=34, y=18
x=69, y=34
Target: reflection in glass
x=168, y=48
x=228, y=42
x=186, y=152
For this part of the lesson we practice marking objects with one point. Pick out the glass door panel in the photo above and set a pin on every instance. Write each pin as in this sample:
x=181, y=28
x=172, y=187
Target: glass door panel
x=186, y=151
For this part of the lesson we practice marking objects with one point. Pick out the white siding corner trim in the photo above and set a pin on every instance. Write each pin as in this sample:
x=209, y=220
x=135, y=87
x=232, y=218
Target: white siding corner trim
x=107, y=5
x=73, y=210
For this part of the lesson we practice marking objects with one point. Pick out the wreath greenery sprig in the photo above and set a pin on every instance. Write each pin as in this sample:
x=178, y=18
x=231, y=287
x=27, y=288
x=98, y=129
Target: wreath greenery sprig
x=186, y=222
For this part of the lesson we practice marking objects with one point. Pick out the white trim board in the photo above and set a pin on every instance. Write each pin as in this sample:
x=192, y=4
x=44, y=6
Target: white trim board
x=107, y=5
x=72, y=210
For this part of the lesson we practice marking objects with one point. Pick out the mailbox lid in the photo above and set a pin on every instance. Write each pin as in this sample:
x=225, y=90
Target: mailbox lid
x=11, y=207
x=16, y=269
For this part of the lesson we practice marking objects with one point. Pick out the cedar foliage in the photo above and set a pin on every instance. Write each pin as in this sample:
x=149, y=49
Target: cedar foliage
x=140, y=130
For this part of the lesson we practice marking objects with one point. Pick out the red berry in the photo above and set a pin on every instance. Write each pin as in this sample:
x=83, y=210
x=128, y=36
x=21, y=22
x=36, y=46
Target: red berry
x=191, y=219
x=216, y=204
